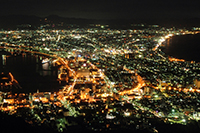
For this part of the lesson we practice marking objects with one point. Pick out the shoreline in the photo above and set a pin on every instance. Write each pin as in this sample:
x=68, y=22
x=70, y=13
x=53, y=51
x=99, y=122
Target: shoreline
x=41, y=73
x=163, y=46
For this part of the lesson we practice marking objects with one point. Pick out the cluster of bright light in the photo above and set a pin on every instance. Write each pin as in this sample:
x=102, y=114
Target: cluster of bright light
x=161, y=40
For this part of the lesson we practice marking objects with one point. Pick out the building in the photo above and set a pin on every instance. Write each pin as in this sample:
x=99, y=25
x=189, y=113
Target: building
x=197, y=83
x=81, y=72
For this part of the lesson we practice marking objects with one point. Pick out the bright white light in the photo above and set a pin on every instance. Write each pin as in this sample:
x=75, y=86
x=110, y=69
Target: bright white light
x=127, y=113
x=110, y=116
x=112, y=83
x=162, y=40
x=106, y=50
x=156, y=96
x=77, y=37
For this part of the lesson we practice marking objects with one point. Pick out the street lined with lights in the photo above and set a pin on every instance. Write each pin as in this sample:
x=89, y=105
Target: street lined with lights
x=111, y=74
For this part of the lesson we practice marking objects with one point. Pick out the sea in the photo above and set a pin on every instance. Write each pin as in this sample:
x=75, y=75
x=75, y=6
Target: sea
x=185, y=47
x=31, y=74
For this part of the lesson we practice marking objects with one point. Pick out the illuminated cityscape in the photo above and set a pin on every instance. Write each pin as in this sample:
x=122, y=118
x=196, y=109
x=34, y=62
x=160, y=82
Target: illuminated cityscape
x=112, y=79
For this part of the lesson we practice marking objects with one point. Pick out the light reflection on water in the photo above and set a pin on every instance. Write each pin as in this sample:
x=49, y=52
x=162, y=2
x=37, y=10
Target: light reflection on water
x=4, y=59
x=46, y=69
x=30, y=72
x=45, y=66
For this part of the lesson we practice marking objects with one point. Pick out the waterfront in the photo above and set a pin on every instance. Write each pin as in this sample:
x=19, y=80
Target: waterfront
x=109, y=86
x=184, y=47
x=31, y=74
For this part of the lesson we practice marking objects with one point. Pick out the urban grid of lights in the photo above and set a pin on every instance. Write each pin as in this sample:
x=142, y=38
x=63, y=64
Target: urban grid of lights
x=102, y=57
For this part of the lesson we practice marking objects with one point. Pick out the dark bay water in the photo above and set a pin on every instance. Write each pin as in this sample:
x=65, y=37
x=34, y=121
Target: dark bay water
x=185, y=47
x=31, y=74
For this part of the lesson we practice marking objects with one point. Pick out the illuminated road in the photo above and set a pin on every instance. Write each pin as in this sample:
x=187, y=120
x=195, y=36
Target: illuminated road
x=67, y=90
x=140, y=84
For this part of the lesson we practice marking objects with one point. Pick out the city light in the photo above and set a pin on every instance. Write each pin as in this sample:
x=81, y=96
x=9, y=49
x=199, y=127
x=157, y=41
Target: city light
x=110, y=78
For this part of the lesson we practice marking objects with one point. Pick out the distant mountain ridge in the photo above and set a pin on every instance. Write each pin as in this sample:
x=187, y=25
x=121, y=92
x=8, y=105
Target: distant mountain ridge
x=11, y=21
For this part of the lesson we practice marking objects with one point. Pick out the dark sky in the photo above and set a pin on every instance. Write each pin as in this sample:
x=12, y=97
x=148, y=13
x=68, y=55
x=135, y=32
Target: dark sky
x=103, y=9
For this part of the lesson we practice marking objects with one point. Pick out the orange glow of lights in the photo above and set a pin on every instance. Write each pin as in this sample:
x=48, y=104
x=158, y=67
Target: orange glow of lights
x=12, y=78
x=175, y=59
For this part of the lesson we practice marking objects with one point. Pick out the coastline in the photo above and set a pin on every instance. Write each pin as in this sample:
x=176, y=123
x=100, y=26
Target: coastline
x=170, y=50
x=26, y=62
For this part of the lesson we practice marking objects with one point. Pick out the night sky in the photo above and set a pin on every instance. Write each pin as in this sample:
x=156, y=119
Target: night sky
x=103, y=9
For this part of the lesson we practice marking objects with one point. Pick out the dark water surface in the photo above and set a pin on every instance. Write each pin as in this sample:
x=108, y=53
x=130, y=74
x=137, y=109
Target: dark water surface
x=184, y=47
x=30, y=72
